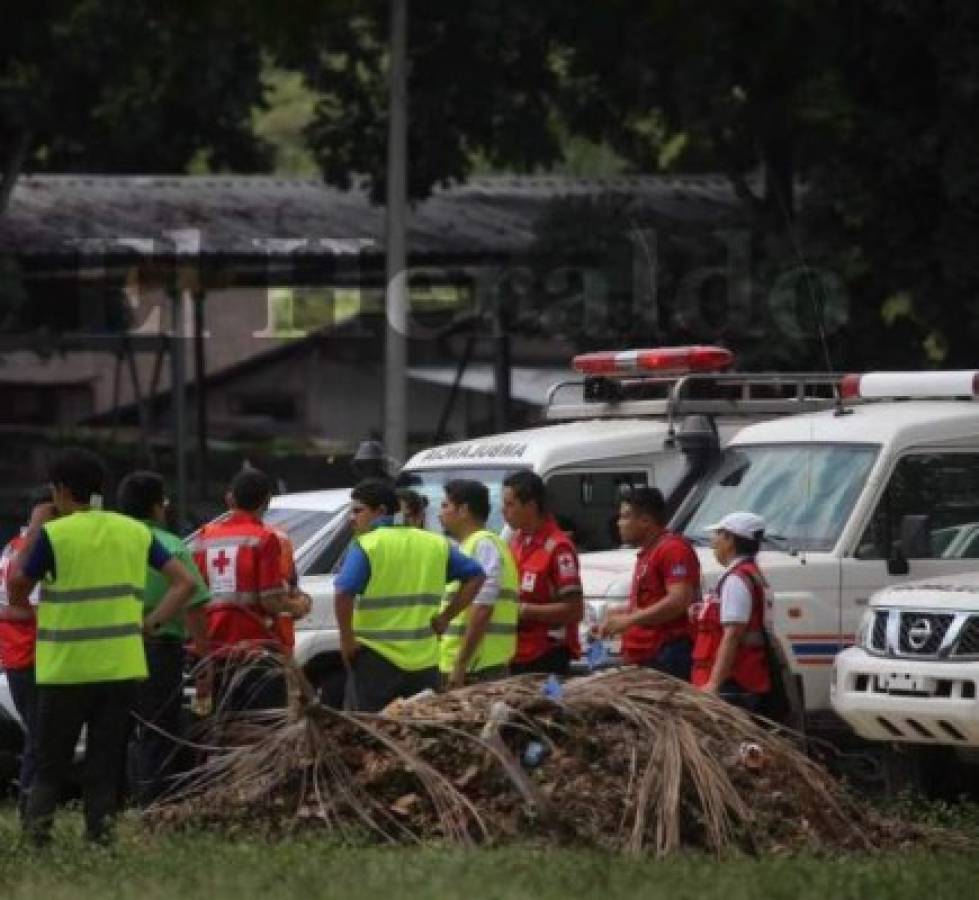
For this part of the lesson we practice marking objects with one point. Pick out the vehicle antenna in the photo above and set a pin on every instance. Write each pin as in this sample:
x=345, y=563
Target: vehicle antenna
x=816, y=302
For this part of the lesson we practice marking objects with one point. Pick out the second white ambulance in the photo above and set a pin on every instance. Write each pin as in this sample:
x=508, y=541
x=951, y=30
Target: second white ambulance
x=845, y=492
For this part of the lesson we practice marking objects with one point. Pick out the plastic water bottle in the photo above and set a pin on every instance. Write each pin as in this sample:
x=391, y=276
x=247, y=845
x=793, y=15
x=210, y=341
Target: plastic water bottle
x=596, y=655
x=552, y=688
x=534, y=754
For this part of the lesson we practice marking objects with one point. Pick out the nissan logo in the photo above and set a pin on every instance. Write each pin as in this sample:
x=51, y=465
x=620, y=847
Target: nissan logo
x=919, y=633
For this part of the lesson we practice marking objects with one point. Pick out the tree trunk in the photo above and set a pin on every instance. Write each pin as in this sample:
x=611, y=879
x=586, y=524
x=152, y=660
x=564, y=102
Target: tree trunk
x=13, y=167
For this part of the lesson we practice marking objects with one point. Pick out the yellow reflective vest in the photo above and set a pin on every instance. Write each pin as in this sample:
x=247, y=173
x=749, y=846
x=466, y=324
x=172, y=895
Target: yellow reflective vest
x=499, y=642
x=394, y=613
x=89, y=617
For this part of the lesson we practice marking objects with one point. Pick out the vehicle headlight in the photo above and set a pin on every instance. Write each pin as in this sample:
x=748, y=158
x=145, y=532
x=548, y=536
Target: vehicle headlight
x=862, y=637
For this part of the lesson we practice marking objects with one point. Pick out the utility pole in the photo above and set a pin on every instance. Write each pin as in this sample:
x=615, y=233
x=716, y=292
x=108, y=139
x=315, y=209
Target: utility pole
x=200, y=394
x=178, y=394
x=396, y=300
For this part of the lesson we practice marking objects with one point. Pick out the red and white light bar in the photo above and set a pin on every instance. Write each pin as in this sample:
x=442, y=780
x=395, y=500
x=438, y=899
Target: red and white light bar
x=655, y=361
x=911, y=385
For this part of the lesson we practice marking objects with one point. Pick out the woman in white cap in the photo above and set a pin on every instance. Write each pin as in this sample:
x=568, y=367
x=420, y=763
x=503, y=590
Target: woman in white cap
x=729, y=653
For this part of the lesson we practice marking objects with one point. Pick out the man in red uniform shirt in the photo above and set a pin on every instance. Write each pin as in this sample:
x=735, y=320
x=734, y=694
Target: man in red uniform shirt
x=551, y=603
x=241, y=561
x=299, y=602
x=18, y=632
x=655, y=629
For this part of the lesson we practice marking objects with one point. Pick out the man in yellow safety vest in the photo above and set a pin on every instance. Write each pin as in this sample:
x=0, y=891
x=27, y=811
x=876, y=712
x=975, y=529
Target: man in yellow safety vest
x=480, y=642
x=388, y=594
x=92, y=567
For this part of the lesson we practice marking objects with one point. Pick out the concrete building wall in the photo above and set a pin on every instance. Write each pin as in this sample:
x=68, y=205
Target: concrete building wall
x=341, y=401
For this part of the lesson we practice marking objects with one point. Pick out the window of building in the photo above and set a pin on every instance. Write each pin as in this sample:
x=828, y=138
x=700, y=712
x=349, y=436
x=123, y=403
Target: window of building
x=280, y=407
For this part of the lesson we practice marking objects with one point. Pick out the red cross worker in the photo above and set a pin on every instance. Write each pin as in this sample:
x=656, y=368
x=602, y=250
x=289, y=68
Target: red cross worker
x=551, y=605
x=241, y=561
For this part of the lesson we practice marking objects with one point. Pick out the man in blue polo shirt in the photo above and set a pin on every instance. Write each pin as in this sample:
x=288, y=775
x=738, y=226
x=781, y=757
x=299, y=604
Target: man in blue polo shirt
x=388, y=594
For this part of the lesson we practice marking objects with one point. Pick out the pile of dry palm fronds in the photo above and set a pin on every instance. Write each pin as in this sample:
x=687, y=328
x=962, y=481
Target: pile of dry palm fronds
x=626, y=759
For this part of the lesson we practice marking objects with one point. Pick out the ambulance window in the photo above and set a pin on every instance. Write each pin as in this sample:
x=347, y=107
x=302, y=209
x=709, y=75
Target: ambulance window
x=943, y=486
x=586, y=504
x=299, y=524
x=431, y=483
x=329, y=552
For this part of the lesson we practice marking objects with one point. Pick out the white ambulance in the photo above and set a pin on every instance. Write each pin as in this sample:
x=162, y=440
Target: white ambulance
x=880, y=490
x=644, y=417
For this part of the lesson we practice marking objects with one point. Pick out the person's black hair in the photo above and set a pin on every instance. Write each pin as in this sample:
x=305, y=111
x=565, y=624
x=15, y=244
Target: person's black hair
x=251, y=489
x=376, y=494
x=527, y=486
x=745, y=546
x=416, y=503
x=39, y=494
x=139, y=493
x=648, y=501
x=81, y=471
x=474, y=495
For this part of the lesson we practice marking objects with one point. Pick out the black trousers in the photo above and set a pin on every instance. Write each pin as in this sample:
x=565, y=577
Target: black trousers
x=736, y=695
x=24, y=694
x=674, y=658
x=62, y=710
x=556, y=661
x=374, y=681
x=158, y=728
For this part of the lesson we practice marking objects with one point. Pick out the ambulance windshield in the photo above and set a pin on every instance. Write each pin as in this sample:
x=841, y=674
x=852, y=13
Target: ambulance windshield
x=804, y=492
x=430, y=483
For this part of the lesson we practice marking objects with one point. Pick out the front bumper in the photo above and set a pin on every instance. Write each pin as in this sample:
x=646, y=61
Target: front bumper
x=907, y=701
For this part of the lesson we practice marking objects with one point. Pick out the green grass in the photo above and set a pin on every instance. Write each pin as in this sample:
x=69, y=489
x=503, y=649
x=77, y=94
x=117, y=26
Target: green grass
x=145, y=866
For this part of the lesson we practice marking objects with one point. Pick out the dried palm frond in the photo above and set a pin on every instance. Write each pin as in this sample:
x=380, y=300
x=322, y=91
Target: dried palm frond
x=633, y=760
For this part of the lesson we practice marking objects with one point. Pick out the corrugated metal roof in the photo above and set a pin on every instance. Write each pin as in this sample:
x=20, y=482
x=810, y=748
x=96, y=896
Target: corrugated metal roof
x=237, y=215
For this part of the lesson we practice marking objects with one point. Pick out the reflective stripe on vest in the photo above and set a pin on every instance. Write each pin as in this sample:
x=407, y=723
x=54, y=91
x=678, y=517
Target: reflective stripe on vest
x=199, y=544
x=407, y=578
x=427, y=600
x=243, y=598
x=90, y=616
x=109, y=592
x=499, y=641
x=86, y=634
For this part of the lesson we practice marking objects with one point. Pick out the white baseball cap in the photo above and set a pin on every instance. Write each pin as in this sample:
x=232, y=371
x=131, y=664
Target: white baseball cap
x=743, y=524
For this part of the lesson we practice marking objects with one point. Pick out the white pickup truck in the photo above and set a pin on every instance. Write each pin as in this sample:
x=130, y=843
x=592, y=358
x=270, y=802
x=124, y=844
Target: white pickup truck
x=911, y=676
x=856, y=499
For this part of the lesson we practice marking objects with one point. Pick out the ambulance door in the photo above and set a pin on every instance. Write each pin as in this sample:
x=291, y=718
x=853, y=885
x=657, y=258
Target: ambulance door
x=932, y=494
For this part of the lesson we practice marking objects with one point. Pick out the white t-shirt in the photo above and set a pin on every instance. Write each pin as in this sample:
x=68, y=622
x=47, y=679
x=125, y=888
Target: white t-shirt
x=486, y=554
x=735, y=598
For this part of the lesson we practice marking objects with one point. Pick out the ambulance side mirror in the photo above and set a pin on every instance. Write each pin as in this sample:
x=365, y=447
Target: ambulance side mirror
x=915, y=543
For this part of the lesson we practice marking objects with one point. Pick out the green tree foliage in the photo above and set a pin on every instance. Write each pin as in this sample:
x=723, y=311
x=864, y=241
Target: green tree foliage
x=482, y=79
x=128, y=86
x=847, y=128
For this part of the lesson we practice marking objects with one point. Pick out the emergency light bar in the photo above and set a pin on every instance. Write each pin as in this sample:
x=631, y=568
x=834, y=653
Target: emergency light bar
x=910, y=385
x=656, y=361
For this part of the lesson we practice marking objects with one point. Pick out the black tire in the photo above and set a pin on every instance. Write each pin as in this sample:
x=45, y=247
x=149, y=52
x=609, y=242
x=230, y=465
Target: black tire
x=329, y=679
x=9, y=770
